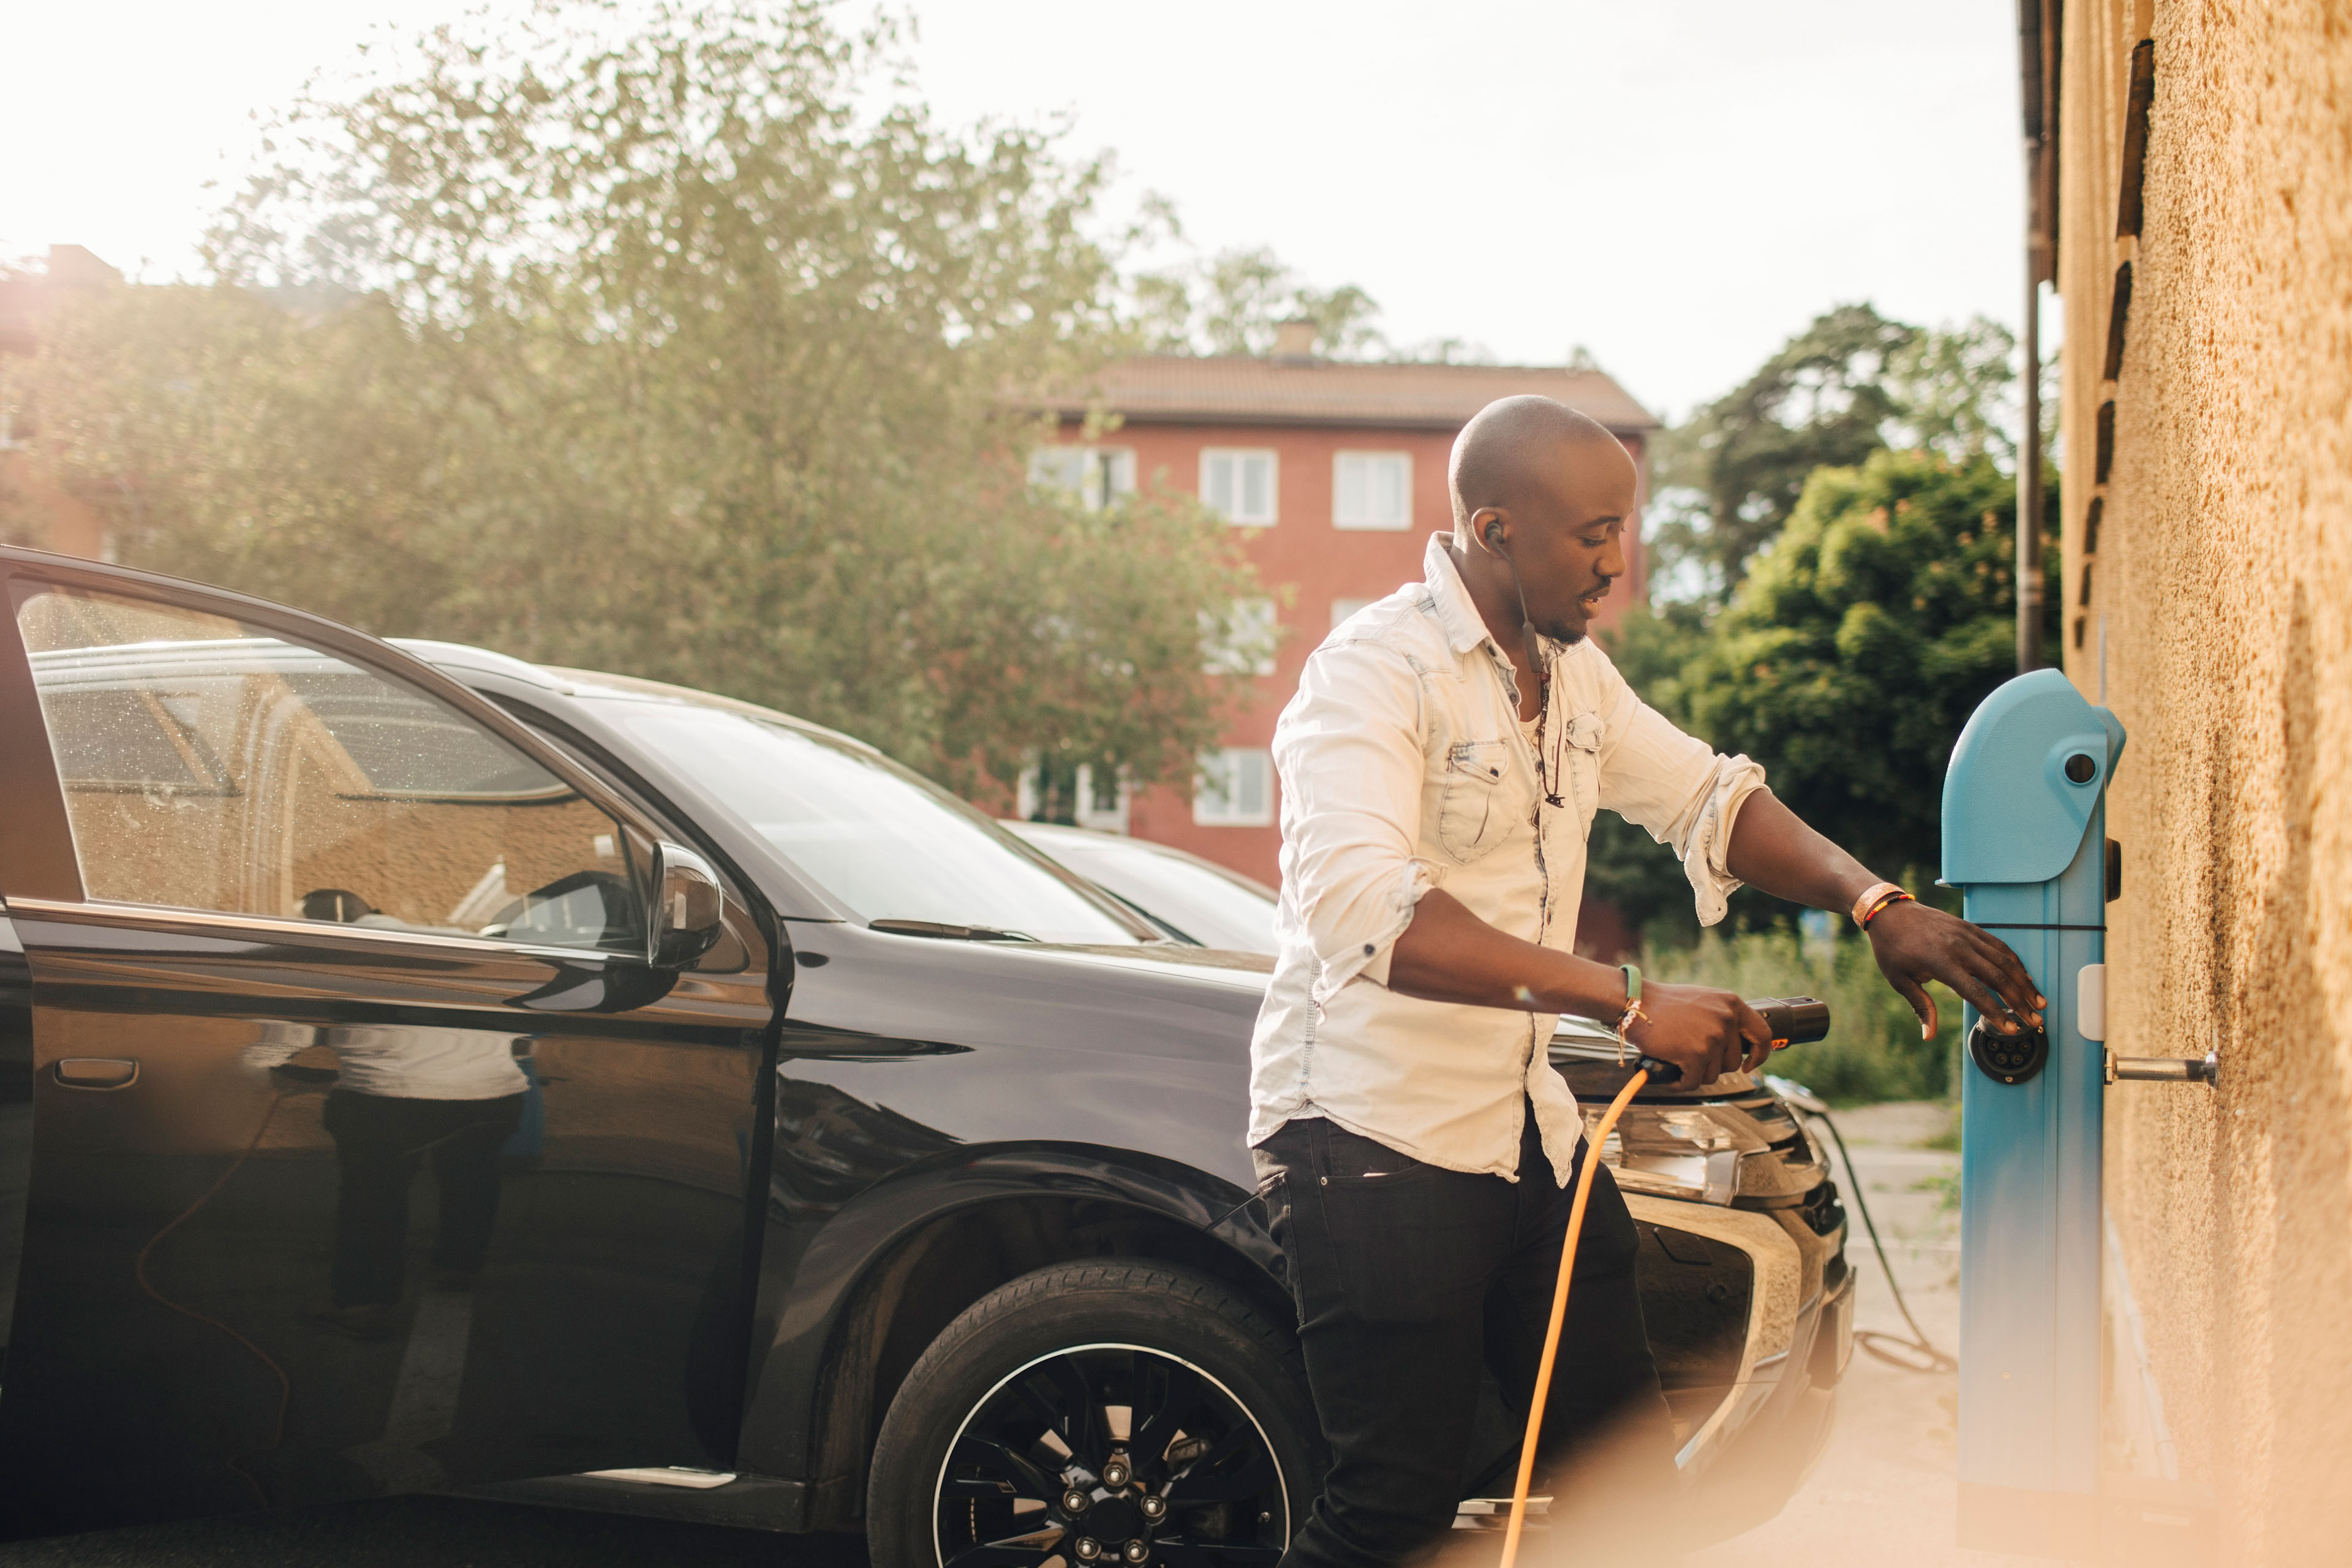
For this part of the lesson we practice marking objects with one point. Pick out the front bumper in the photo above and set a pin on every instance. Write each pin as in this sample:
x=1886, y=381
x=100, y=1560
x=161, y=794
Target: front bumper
x=1752, y=1439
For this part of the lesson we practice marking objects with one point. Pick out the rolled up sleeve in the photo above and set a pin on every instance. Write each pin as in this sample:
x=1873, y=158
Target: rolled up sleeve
x=1684, y=793
x=1349, y=753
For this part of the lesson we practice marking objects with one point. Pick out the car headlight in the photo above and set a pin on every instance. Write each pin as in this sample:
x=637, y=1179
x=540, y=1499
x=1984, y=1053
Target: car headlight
x=1678, y=1150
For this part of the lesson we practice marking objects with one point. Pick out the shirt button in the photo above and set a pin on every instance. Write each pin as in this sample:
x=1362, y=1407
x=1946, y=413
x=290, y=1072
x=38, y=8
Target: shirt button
x=1324, y=1180
x=1368, y=950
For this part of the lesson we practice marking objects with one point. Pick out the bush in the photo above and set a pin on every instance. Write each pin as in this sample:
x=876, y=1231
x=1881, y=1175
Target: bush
x=1874, y=1050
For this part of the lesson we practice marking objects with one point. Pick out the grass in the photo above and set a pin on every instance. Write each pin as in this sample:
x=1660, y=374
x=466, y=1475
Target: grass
x=1873, y=1051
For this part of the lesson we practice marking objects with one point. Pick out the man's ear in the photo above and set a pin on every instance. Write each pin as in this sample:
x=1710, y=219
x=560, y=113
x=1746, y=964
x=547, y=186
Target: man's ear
x=1491, y=526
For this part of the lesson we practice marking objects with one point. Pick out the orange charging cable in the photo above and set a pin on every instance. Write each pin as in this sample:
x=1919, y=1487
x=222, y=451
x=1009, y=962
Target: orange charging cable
x=1599, y=1136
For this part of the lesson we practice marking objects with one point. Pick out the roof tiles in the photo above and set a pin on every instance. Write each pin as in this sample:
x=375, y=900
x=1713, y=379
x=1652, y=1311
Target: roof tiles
x=1239, y=390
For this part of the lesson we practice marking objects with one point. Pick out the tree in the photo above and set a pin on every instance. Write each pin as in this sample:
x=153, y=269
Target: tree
x=1743, y=461
x=1858, y=645
x=1955, y=391
x=1232, y=302
x=226, y=439
x=1651, y=645
x=1850, y=382
x=673, y=355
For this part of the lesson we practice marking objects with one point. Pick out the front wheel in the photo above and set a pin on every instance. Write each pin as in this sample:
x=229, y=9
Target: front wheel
x=1098, y=1413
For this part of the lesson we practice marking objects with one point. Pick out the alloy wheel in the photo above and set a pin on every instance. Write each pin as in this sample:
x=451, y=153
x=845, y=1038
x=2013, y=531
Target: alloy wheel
x=1110, y=1453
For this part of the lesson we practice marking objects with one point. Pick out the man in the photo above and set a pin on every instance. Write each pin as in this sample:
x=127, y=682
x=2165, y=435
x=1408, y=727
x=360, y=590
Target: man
x=1440, y=766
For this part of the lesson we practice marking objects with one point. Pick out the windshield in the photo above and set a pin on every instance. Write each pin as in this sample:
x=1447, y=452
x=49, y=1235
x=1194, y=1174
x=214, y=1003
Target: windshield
x=878, y=837
x=1212, y=908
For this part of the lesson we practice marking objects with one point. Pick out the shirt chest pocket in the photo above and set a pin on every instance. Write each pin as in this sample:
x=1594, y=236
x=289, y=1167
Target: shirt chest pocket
x=1580, y=760
x=1482, y=803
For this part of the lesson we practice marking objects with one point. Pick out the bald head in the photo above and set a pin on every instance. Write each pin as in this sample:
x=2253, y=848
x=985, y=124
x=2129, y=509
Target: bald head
x=1518, y=447
x=1541, y=498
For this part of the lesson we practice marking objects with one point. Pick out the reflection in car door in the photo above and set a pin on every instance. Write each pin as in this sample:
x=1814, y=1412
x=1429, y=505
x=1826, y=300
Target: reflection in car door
x=15, y=1113
x=370, y=1153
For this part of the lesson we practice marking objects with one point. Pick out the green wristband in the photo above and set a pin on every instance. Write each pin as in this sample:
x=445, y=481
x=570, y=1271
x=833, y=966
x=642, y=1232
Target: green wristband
x=1633, y=983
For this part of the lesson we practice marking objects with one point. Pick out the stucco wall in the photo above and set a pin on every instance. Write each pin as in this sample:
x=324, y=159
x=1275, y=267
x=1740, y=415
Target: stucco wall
x=2219, y=626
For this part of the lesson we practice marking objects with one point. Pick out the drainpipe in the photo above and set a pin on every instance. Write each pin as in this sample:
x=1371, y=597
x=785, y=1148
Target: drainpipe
x=2029, y=490
x=2036, y=39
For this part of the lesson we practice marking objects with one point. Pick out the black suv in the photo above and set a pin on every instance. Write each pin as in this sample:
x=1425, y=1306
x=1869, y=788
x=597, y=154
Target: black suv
x=804, y=1151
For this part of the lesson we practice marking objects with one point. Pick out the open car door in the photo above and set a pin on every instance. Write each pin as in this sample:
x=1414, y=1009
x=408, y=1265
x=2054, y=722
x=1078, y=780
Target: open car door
x=393, y=1113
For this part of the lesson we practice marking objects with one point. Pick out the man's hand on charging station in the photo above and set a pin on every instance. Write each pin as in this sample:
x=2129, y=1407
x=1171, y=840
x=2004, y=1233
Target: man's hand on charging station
x=1914, y=943
x=1772, y=848
x=1705, y=1032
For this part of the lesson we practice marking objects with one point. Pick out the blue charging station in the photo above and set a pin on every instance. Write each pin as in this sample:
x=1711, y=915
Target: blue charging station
x=2025, y=841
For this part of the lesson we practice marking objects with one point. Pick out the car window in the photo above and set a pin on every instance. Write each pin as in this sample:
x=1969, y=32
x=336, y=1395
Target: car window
x=210, y=765
x=883, y=841
x=1213, y=910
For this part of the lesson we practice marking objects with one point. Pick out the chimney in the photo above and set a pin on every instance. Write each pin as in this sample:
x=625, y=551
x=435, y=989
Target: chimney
x=1294, y=340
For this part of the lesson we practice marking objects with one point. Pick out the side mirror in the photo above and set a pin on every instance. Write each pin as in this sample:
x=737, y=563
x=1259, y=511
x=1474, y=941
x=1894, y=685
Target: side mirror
x=687, y=906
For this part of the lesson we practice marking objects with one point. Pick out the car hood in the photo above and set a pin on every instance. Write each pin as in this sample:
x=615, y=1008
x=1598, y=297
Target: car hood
x=1247, y=971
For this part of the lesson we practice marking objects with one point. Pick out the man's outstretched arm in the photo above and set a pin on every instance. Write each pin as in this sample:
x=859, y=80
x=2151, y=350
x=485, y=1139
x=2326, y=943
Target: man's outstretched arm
x=1772, y=848
x=1448, y=955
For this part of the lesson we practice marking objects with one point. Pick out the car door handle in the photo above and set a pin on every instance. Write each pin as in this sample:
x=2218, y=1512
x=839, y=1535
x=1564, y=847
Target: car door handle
x=96, y=1072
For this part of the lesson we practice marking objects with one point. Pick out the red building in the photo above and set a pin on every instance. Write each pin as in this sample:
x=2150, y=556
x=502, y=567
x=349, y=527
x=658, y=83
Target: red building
x=1336, y=473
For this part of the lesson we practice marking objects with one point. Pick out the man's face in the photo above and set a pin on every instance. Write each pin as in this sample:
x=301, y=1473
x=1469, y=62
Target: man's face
x=1566, y=537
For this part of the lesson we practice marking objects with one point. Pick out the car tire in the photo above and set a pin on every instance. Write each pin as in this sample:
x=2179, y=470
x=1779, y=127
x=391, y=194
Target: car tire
x=1047, y=1383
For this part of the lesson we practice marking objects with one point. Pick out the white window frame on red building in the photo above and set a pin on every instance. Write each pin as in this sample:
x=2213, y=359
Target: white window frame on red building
x=1094, y=477
x=1222, y=798
x=1230, y=509
x=1359, y=471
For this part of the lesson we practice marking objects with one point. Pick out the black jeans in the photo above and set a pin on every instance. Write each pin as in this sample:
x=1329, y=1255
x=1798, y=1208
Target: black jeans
x=1409, y=1278
x=381, y=1142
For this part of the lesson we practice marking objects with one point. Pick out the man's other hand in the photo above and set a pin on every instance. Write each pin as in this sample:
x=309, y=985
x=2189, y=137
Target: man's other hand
x=1914, y=943
x=1705, y=1032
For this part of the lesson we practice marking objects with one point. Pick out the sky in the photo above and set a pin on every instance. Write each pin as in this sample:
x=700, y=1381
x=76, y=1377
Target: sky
x=1676, y=185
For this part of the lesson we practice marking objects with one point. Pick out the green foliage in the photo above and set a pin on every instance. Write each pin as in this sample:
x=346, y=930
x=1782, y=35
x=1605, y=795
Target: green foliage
x=1874, y=1050
x=665, y=348
x=1822, y=400
x=227, y=438
x=1651, y=645
x=1952, y=389
x=1231, y=303
x=1640, y=878
x=1859, y=645
x=1729, y=477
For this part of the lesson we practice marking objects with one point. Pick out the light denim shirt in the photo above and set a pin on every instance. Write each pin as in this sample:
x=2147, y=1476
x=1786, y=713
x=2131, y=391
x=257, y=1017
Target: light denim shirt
x=1405, y=768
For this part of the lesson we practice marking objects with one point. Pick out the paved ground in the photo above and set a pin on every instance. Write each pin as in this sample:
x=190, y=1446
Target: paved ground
x=1883, y=1493
x=434, y=1532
